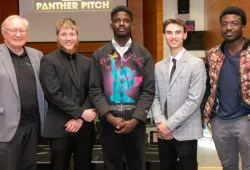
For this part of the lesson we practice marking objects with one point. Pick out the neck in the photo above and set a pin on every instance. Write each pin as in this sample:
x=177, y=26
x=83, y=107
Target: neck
x=121, y=41
x=176, y=51
x=16, y=50
x=235, y=46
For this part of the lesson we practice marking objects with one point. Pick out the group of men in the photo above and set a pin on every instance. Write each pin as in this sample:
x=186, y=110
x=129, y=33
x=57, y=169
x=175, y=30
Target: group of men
x=58, y=96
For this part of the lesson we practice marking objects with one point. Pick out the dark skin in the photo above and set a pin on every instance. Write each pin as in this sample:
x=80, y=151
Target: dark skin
x=121, y=26
x=232, y=31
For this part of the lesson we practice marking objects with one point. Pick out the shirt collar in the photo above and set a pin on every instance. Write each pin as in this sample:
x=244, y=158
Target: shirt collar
x=69, y=56
x=116, y=45
x=22, y=55
x=178, y=56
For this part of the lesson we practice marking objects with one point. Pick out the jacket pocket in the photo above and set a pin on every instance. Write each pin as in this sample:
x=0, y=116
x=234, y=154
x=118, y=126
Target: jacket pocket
x=1, y=109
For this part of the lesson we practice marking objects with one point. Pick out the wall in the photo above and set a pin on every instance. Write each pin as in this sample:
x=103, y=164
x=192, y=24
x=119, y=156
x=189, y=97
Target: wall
x=152, y=27
x=10, y=7
x=196, y=13
x=213, y=9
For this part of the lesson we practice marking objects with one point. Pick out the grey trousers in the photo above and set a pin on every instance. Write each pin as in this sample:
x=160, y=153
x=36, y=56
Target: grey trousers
x=232, y=137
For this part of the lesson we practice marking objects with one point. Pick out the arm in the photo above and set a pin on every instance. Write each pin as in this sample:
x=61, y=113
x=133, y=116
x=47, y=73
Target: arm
x=96, y=87
x=194, y=98
x=157, y=111
x=147, y=89
x=53, y=92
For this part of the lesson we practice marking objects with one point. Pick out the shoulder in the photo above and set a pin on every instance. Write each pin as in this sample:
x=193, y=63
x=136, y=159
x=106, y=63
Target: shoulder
x=32, y=50
x=194, y=61
x=103, y=49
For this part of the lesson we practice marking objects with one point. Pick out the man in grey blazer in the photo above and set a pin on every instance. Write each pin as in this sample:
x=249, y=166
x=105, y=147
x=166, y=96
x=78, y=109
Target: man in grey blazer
x=180, y=85
x=21, y=97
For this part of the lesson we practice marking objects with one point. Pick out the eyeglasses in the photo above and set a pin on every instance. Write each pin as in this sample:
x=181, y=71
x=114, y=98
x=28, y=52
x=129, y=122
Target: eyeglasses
x=232, y=24
x=14, y=31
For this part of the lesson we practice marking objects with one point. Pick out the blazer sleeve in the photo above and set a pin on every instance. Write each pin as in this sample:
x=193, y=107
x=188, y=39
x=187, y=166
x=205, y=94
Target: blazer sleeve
x=52, y=89
x=195, y=95
x=96, y=93
x=157, y=111
x=147, y=90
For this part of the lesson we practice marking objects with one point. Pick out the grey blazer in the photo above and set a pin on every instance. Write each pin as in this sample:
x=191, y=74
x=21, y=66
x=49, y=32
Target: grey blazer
x=184, y=95
x=9, y=94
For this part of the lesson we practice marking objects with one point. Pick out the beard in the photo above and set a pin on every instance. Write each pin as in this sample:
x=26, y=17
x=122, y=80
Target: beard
x=68, y=51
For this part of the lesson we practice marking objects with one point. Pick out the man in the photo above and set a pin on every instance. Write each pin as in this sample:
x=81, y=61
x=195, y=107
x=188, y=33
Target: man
x=122, y=90
x=21, y=99
x=228, y=67
x=180, y=85
x=69, y=122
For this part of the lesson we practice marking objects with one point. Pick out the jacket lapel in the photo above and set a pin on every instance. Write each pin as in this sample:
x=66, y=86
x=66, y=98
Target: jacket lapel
x=164, y=70
x=67, y=66
x=7, y=61
x=179, y=67
x=78, y=68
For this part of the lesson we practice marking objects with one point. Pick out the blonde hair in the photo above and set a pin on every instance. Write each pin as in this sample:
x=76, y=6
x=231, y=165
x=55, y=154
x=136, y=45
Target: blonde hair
x=12, y=17
x=66, y=23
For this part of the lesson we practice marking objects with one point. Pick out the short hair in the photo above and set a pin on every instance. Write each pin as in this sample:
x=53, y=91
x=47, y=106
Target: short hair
x=12, y=17
x=66, y=23
x=174, y=21
x=233, y=10
x=122, y=8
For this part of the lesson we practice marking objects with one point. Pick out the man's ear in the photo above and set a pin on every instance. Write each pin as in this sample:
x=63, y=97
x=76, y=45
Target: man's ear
x=111, y=26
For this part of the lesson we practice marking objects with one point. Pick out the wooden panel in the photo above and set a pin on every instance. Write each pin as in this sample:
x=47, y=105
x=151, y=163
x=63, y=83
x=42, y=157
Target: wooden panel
x=10, y=7
x=152, y=23
x=213, y=9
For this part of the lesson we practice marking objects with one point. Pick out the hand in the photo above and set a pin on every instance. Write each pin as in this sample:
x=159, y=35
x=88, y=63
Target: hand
x=127, y=126
x=163, y=130
x=73, y=125
x=115, y=121
x=89, y=115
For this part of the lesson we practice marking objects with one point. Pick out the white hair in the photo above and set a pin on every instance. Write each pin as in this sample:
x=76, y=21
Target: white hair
x=12, y=17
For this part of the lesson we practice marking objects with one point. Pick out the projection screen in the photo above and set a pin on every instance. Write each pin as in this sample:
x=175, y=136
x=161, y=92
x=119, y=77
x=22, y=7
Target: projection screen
x=92, y=17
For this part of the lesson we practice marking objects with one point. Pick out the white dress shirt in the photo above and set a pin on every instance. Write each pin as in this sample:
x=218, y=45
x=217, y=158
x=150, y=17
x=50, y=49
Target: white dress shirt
x=119, y=49
x=177, y=57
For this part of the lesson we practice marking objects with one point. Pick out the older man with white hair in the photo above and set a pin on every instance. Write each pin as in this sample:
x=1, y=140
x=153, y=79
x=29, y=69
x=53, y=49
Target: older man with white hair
x=21, y=97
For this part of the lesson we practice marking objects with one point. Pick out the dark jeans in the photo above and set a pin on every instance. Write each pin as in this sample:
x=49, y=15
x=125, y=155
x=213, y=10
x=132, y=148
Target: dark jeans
x=129, y=147
x=21, y=152
x=171, y=150
x=79, y=144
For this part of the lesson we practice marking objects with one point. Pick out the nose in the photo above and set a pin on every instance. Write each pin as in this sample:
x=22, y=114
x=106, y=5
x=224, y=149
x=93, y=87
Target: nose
x=121, y=22
x=68, y=37
x=173, y=35
x=229, y=27
x=18, y=34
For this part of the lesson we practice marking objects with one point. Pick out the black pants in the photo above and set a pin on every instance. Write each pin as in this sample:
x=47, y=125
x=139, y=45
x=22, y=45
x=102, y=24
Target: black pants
x=79, y=144
x=21, y=152
x=171, y=150
x=129, y=147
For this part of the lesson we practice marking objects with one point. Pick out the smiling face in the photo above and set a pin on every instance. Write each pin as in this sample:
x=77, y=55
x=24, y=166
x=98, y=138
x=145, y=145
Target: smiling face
x=121, y=24
x=231, y=27
x=15, y=33
x=67, y=40
x=175, y=35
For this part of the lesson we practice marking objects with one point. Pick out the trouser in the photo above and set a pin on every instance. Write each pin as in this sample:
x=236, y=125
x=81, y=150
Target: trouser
x=119, y=147
x=171, y=150
x=79, y=144
x=21, y=152
x=232, y=137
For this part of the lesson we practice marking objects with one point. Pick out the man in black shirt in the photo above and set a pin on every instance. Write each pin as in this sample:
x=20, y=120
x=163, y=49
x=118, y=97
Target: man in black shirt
x=65, y=79
x=21, y=99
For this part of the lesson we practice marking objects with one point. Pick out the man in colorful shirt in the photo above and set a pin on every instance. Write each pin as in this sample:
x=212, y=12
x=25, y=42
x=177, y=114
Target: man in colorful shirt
x=228, y=68
x=122, y=91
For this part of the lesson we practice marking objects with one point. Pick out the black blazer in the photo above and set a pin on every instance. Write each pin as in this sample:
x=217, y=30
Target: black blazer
x=67, y=98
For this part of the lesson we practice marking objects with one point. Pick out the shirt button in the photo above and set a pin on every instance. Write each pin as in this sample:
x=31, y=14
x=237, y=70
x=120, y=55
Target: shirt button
x=18, y=110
